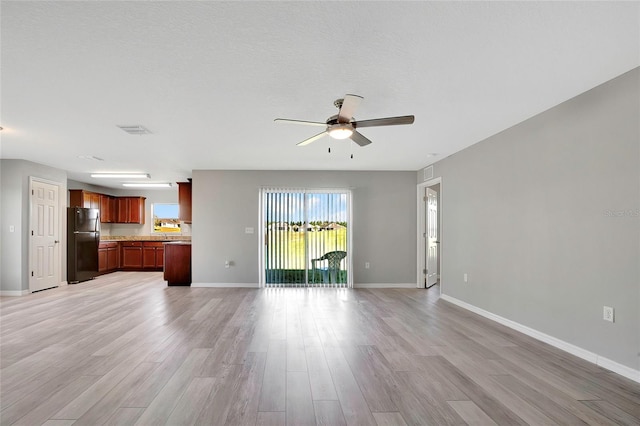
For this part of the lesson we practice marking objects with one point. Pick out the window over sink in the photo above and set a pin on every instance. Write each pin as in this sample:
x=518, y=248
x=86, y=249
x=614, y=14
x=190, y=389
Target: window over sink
x=165, y=218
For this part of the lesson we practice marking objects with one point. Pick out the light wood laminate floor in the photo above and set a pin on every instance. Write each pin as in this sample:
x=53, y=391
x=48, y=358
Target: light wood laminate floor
x=126, y=349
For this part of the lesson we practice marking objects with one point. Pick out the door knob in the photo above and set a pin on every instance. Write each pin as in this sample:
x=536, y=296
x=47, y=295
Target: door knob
x=56, y=241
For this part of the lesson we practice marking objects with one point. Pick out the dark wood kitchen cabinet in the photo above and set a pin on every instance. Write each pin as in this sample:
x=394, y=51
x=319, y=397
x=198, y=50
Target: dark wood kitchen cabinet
x=108, y=256
x=177, y=263
x=131, y=210
x=112, y=209
x=102, y=259
x=131, y=255
x=152, y=255
x=184, y=201
x=107, y=208
x=85, y=199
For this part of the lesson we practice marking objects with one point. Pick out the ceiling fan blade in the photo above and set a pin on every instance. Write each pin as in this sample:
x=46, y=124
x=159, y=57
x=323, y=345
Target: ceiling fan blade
x=311, y=139
x=359, y=139
x=389, y=121
x=349, y=106
x=308, y=123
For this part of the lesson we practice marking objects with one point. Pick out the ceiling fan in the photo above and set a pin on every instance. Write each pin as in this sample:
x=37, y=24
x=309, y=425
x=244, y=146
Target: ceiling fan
x=343, y=125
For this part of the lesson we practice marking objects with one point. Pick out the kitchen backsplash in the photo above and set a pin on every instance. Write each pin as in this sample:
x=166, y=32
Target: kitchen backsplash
x=124, y=229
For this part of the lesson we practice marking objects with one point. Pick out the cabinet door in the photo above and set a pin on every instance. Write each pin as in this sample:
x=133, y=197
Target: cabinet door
x=113, y=258
x=94, y=200
x=113, y=209
x=105, y=209
x=76, y=198
x=184, y=201
x=123, y=209
x=136, y=210
x=102, y=260
x=149, y=257
x=86, y=200
x=159, y=257
x=132, y=257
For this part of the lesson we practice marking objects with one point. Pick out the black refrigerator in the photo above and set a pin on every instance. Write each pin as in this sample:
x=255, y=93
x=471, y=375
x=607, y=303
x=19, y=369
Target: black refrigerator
x=83, y=238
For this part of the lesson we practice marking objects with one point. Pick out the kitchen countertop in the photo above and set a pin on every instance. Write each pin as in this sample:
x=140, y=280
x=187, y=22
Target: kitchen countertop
x=180, y=238
x=178, y=243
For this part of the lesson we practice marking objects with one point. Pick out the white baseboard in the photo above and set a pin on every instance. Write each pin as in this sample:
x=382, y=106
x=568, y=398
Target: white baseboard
x=225, y=285
x=13, y=293
x=385, y=285
x=601, y=361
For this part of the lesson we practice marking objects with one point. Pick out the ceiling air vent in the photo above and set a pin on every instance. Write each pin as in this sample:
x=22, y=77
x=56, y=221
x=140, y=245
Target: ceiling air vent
x=428, y=173
x=135, y=129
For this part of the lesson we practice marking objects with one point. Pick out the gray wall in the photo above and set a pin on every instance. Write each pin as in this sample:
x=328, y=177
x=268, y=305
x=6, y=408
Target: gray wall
x=225, y=202
x=544, y=219
x=14, y=209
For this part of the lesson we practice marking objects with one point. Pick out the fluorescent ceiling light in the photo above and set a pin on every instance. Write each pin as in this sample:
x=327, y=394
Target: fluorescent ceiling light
x=147, y=185
x=121, y=175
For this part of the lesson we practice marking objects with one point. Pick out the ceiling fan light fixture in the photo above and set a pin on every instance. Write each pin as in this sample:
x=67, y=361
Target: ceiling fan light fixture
x=341, y=131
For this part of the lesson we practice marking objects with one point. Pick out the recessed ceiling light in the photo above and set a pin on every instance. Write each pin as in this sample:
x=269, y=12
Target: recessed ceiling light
x=147, y=185
x=121, y=175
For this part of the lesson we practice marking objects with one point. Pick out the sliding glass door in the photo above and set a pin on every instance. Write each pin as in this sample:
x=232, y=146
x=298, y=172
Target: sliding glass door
x=306, y=237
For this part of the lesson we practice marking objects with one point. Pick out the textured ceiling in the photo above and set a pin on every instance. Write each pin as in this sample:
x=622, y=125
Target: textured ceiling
x=208, y=78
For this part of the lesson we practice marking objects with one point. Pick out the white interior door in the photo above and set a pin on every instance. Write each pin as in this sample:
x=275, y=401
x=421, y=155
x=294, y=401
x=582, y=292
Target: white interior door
x=431, y=237
x=44, y=259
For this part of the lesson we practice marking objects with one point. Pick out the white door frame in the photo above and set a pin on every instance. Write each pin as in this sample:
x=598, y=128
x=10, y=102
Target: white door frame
x=421, y=219
x=61, y=229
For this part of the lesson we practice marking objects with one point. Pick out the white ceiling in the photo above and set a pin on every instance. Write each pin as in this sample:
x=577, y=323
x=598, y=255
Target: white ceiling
x=208, y=78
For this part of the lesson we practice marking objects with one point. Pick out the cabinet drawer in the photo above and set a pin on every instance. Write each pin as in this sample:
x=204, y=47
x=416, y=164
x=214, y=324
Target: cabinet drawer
x=108, y=244
x=153, y=244
x=131, y=244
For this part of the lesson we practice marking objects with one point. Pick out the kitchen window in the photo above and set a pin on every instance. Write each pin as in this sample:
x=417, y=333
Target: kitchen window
x=165, y=218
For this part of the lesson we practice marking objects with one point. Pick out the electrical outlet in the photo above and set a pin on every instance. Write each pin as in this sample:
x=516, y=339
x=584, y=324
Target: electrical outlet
x=366, y=265
x=607, y=314
x=466, y=278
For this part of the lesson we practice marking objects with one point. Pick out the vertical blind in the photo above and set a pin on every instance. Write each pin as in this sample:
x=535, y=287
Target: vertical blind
x=306, y=237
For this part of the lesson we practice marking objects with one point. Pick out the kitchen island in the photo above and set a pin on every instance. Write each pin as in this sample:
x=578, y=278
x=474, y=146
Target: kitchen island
x=177, y=263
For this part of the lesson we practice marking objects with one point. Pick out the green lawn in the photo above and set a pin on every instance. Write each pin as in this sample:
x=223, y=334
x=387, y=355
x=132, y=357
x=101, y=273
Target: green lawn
x=285, y=252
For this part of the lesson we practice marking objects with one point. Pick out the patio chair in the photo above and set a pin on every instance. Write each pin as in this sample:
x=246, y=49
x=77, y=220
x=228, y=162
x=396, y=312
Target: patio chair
x=333, y=258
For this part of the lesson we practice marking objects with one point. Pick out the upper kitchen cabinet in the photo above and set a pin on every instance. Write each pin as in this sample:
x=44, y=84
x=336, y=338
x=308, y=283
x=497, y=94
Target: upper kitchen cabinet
x=184, y=201
x=108, y=207
x=85, y=199
x=91, y=200
x=131, y=210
